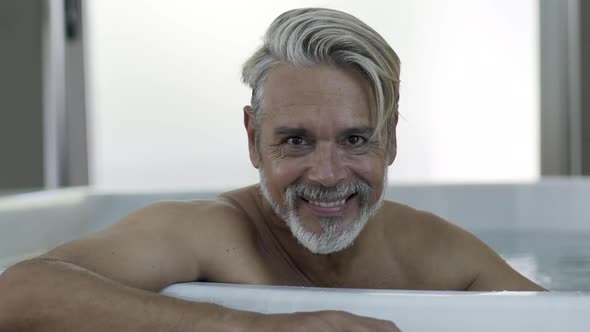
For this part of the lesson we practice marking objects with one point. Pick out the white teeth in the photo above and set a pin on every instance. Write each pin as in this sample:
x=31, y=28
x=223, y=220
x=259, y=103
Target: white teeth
x=328, y=204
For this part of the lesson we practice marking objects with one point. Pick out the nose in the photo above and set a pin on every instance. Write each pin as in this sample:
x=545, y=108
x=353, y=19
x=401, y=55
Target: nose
x=326, y=166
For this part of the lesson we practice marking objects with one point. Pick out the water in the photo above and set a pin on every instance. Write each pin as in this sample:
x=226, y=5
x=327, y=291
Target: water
x=7, y=261
x=559, y=261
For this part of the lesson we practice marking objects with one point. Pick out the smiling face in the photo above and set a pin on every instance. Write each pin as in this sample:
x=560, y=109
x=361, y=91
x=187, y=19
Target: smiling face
x=320, y=170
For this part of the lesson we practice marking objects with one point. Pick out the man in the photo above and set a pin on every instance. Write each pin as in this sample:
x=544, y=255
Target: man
x=322, y=132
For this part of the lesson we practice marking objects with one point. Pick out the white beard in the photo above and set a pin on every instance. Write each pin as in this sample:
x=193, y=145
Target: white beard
x=334, y=237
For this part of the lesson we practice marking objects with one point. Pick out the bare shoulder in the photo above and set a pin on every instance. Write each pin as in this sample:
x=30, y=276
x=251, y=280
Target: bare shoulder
x=190, y=217
x=416, y=224
x=198, y=222
x=425, y=233
x=161, y=244
x=442, y=255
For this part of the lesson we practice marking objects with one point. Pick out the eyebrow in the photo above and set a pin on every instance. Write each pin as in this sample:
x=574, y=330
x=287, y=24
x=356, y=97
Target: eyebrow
x=367, y=131
x=289, y=131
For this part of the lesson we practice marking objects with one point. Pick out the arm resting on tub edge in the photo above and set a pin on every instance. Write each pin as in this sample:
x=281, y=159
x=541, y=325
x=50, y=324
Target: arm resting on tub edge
x=42, y=295
x=49, y=295
x=109, y=280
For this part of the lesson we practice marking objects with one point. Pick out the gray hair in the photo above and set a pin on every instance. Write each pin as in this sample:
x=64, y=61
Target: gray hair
x=311, y=36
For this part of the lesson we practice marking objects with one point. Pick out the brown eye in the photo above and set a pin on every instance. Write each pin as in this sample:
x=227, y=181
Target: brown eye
x=295, y=140
x=355, y=140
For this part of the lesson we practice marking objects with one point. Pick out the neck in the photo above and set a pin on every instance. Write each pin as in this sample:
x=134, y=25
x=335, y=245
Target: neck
x=319, y=270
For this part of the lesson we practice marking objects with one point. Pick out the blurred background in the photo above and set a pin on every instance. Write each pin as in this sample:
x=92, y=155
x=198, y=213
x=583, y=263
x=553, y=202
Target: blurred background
x=146, y=94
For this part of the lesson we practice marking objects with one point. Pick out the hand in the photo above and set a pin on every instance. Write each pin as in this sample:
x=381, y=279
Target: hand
x=324, y=321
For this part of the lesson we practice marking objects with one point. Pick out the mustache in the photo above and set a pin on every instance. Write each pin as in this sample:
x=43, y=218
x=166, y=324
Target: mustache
x=318, y=192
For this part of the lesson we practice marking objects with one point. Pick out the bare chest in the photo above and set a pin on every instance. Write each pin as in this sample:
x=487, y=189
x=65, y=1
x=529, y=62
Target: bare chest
x=273, y=267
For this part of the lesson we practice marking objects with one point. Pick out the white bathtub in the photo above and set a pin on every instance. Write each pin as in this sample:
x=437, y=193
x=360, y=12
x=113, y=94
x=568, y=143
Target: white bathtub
x=33, y=223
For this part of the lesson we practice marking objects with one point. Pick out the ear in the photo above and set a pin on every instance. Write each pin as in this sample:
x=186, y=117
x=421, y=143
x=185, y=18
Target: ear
x=392, y=152
x=249, y=123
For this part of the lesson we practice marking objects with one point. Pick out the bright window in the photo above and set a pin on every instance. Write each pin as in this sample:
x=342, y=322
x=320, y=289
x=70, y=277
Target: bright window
x=166, y=99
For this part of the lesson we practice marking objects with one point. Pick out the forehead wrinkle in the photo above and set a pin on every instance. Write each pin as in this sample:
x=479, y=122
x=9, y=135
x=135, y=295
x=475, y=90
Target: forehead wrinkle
x=319, y=101
x=298, y=110
x=296, y=95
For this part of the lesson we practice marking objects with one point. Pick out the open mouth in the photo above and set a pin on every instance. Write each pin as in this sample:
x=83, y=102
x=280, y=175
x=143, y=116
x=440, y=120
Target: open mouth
x=329, y=204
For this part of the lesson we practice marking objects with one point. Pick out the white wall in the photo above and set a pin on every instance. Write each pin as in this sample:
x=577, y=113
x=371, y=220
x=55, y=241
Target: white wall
x=165, y=97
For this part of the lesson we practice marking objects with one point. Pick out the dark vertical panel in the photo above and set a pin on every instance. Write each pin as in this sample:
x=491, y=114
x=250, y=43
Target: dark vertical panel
x=21, y=95
x=555, y=145
x=77, y=156
x=585, y=83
